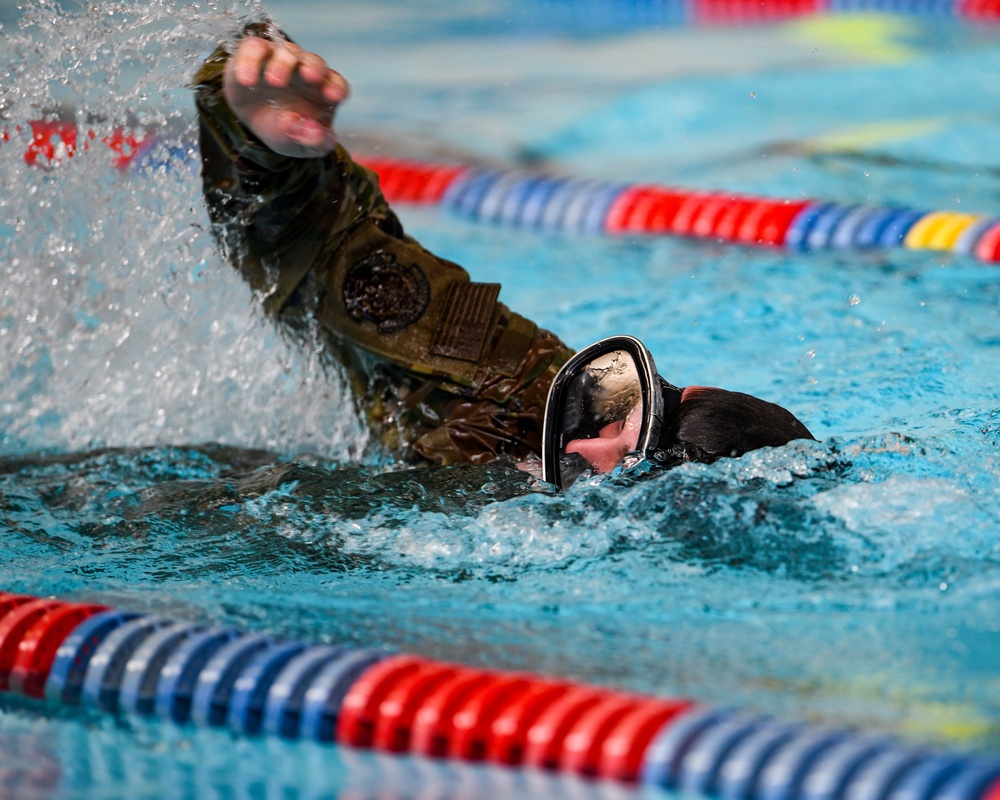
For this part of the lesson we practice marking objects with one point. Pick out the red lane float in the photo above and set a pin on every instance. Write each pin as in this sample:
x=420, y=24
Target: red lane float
x=13, y=628
x=38, y=646
x=729, y=12
x=624, y=748
x=434, y=723
x=405, y=181
x=359, y=713
x=52, y=142
x=471, y=723
x=985, y=10
x=395, y=714
x=545, y=739
x=988, y=246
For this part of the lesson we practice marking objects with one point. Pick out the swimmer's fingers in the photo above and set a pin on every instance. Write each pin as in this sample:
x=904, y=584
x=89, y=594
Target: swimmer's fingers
x=280, y=62
x=282, y=65
x=277, y=61
x=314, y=71
x=249, y=59
x=309, y=71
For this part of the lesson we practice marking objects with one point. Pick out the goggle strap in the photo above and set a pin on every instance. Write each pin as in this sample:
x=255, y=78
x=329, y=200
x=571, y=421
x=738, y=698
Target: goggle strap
x=671, y=406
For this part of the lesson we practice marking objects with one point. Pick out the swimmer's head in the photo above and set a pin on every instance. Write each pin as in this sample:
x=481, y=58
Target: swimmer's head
x=609, y=408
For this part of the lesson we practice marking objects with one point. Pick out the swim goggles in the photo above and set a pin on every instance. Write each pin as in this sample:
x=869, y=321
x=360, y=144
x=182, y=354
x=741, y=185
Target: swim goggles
x=605, y=410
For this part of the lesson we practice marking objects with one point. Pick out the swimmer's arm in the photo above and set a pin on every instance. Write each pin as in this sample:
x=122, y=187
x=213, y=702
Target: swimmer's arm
x=282, y=212
x=295, y=205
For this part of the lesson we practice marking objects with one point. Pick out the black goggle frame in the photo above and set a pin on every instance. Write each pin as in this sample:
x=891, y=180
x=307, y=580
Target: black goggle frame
x=557, y=432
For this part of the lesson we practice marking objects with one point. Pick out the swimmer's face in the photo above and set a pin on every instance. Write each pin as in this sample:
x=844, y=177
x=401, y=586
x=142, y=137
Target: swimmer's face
x=604, y=411
x=612, y=444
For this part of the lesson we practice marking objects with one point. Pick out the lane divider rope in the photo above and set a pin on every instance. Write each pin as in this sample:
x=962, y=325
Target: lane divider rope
x=568, y=205
x=723, y=12
x=86, y=654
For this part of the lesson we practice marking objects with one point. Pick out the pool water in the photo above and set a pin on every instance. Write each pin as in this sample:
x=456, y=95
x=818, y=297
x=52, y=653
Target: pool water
x=162, y=448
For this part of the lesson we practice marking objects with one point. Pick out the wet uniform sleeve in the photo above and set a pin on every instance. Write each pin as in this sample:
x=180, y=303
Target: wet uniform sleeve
x=452, y=374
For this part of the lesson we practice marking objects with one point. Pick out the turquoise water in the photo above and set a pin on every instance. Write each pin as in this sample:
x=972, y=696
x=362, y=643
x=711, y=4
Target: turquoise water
x=164, y=449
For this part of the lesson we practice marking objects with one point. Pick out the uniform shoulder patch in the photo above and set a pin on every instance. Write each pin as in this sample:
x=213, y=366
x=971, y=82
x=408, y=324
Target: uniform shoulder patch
x=380, y=290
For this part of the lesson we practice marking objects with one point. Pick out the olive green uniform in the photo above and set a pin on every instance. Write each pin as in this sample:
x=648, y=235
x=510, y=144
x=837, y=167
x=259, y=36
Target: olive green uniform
x=444, y=372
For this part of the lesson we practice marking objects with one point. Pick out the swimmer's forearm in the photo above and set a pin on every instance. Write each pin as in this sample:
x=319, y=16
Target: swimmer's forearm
x=282, y=210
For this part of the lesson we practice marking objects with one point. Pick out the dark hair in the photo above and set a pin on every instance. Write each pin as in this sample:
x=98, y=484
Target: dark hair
x=714, y=423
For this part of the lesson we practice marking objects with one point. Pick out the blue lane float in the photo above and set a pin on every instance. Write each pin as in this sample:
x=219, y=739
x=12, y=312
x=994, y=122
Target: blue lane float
x=105, y=672
x=65, y=680
x=252, y=687
x=213, y=690
x=181, y=672
x=144, y=668
x=283, y=707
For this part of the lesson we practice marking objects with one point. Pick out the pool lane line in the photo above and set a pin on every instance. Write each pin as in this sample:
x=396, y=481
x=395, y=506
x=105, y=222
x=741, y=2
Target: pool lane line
x=133, y=664
x=729, y=12
x=538, y=201
x=548, y=203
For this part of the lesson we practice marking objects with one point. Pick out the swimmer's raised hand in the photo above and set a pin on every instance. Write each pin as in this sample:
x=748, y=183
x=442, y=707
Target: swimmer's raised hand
x=285, y=95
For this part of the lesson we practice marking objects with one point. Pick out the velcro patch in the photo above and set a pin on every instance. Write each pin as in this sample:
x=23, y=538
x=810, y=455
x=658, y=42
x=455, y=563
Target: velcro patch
x=462, y=329
x=379, y=289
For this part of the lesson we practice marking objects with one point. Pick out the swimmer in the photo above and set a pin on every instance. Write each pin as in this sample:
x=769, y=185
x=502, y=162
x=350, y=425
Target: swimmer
x=443, y=371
